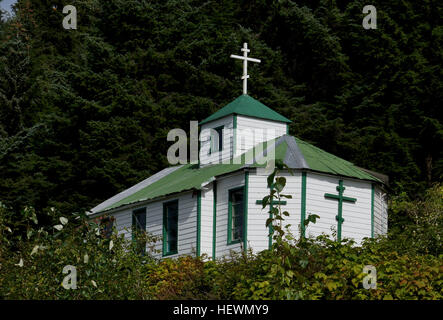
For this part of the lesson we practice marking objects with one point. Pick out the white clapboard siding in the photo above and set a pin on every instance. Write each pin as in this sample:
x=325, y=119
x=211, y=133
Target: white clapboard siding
x=384, y=212
x=356, y=225
x=380, y=212
x=224, y=184
x=187, y=222
x=207, y=214
x=123, y=223
x=293, y=207
x=377, y=212
x=205, y=141
x=357, y=216
x=252, y=131
x=257, y=230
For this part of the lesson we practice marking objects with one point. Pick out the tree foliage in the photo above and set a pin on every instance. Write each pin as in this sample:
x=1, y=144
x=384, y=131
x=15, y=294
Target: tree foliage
x=109, y=266
x=408, y=262
x=84, y=113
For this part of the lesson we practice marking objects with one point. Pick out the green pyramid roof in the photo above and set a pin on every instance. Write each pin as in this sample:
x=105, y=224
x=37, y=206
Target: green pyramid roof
x=247, y=106
x=295, y=153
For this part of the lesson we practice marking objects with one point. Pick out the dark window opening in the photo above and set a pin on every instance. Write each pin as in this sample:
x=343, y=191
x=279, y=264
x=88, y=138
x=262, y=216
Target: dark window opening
x=106, y=226
x=217, y=140
x=170, y=227
x=236, y=212
x=139, y=229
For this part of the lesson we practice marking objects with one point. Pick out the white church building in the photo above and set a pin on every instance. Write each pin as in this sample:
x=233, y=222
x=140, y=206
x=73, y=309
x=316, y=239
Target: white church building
x=214, y=206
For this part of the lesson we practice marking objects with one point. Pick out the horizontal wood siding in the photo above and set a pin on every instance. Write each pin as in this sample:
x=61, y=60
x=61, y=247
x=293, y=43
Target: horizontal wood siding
x=357, y=216
x=380, y=212
x=206, y=220
x=205, y=141
x=257, y=230
x=123, y=223
x=356, y=225
x=223, y=185
x=260, y=130
x=187, y=223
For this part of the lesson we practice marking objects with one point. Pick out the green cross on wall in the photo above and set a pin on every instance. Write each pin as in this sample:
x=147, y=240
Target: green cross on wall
x=340, y=199
x=273, y=202
x=271, y=229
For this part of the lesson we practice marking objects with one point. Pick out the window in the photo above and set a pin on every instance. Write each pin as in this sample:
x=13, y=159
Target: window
x=106, y=226
x=139, y=228
x=217, y=140
x=170, y=227
x=236, y=211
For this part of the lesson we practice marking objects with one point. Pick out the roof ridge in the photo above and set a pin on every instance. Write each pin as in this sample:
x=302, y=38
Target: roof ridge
x=298, y=160
x=295, y=152
x=246, y=105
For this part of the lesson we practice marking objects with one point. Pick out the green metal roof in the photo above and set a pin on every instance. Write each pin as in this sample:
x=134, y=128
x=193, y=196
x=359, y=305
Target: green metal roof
x=322, y=161
x=247, y=106
x=295, y=153
x=187, y=177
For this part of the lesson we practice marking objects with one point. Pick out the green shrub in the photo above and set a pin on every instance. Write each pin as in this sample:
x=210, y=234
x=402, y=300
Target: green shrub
x=32, y=259
x=325, y=269
x=32, y=262
x=183, y=278
x=424, y=230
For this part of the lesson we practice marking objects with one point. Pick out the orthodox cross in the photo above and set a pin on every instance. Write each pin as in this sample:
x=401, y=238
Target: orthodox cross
x=245, y=59
x=340, y=199
x=271, y=229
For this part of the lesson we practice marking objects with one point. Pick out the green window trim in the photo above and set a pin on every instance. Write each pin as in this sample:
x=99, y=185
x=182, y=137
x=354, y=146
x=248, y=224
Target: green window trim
x=167, y=254
x=139, y=224
x=136, y=223
x=372, y=210
x=230, y=192
x=214, y=221
x=165, y=251
x=270, y=228
x=303, y=203
x=220, y=141
x=199, y=205
x=273, y=202
x=234, y=142
x=245, y=215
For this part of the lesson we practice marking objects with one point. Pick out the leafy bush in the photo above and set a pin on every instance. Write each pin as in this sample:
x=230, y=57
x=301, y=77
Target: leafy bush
x=109, y=266
x=325, y=269
x=322, y=268
x=183, y=278
x=424, y=232
x=32, y=263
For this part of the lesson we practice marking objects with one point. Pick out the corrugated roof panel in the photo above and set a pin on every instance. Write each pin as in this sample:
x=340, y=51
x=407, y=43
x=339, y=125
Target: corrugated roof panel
x=143, y=184
x=320, y=160
x=188, y=177
x=302, y=155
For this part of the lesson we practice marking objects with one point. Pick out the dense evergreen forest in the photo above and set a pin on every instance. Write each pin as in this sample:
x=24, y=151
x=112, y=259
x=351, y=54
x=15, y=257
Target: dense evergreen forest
x=84, y=113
